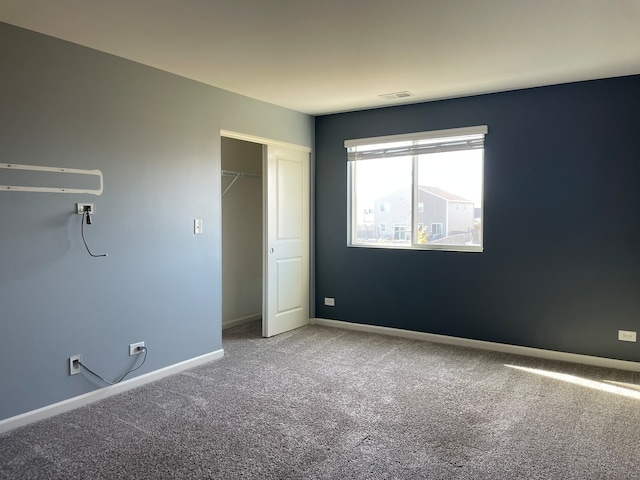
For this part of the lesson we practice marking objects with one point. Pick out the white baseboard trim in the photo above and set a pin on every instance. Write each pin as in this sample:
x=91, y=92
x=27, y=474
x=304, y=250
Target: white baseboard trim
x=497, y=347
x=241, y=321
x=95, y=395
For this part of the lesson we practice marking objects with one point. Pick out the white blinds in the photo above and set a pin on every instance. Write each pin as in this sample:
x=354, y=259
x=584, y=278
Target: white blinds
x=420, y=143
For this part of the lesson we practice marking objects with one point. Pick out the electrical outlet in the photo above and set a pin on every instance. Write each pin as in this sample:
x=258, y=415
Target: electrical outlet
x=627, y=335
x=74, y=367
x=82, y=207
x=330, y=301
x=136, y=348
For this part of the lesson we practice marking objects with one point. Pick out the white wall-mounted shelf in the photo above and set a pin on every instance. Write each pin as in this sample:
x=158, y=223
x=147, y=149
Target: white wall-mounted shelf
x=52, y=189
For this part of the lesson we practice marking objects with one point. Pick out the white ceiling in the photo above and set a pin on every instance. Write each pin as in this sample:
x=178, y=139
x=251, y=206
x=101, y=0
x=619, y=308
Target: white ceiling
x=326, y=56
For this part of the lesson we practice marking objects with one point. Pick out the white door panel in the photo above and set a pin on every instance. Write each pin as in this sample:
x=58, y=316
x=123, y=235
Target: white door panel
x=290, y=189
x=289, y=275
x=286, y=293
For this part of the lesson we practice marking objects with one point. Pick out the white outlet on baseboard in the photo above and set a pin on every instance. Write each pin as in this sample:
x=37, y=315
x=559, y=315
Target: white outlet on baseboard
x=627, y=335
x=330, y=301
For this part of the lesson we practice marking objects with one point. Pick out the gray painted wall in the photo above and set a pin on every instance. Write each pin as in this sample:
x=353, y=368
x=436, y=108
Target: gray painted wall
x=155, y=136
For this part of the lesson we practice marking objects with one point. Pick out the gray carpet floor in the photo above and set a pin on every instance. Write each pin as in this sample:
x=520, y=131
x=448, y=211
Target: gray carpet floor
x=322, y=403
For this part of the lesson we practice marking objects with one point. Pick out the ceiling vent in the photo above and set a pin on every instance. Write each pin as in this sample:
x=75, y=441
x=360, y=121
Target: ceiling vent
x=396, y=95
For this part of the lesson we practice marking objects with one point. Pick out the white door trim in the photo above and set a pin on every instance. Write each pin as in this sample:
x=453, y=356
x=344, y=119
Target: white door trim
x=264, y=141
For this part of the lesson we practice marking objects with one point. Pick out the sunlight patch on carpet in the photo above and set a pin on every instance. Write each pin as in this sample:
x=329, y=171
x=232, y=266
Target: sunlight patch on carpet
x=602, y=386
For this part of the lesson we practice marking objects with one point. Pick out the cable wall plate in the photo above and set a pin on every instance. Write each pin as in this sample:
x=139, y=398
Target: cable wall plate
x=81, y=208
x=52, y=189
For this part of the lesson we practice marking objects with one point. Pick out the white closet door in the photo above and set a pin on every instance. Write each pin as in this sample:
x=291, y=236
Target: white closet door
x=286, y=283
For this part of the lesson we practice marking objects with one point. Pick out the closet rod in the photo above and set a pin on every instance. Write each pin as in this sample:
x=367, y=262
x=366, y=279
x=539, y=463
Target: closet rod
x=231, y=173
x=237, y=175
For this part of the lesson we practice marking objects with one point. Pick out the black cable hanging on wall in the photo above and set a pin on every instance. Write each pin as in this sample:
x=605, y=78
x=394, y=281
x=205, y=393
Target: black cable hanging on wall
x=87, y=214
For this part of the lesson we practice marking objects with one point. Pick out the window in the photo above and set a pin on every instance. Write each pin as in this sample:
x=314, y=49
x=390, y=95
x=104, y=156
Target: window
x=428, y=185
x=400, y=231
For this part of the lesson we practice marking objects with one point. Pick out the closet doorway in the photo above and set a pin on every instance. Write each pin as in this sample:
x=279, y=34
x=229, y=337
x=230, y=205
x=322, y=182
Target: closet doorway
x=265, y=233
x=241, y=232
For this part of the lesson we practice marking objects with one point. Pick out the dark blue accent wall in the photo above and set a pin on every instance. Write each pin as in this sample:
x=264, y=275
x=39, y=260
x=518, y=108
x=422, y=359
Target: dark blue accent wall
x=560, y=269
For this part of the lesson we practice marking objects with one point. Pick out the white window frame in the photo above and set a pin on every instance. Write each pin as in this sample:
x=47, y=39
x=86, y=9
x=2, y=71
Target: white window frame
x=454, y=139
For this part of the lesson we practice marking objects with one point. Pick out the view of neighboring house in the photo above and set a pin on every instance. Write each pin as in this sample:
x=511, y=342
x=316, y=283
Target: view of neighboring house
x=443, y=214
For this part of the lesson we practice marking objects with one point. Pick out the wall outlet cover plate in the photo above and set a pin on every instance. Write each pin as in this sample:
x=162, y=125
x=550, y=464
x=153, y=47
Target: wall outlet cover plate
x=80, y=208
